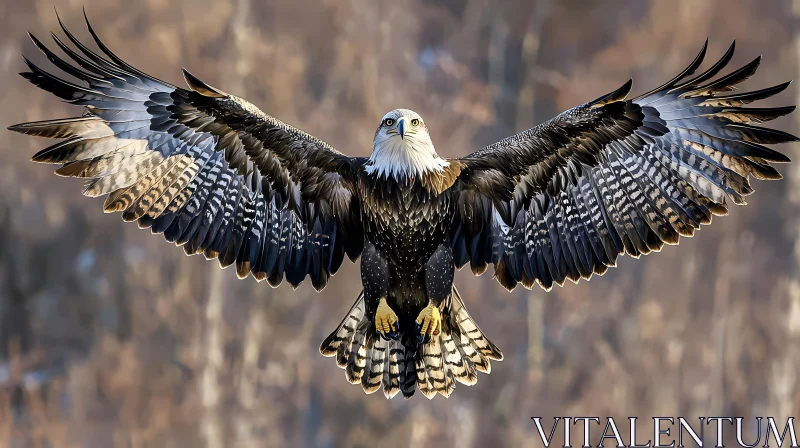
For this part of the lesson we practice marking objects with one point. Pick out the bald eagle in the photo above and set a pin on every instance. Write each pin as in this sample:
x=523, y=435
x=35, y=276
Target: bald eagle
x=560, y=201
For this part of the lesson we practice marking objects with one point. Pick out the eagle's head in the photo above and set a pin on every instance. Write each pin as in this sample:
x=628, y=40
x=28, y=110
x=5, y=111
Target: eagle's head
x=402, y=147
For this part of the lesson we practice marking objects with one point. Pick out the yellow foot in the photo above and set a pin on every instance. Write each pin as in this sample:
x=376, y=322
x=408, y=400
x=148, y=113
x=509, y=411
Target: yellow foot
x=386, y=320
x=429, y=322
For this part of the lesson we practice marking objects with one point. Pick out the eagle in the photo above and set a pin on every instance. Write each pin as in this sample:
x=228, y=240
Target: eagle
x=560, y=201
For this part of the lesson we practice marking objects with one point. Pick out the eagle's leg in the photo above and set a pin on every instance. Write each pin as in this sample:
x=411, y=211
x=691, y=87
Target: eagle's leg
x=375, y=279
x=439, y=272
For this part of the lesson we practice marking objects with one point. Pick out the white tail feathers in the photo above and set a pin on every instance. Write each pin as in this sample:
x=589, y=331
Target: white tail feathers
x=455, y=355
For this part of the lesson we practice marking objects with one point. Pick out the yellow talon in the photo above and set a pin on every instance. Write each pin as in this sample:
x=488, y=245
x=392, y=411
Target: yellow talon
x=430, y=320
x=385, y=318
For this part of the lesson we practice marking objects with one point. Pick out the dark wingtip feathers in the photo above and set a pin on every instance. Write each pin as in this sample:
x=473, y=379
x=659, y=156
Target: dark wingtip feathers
x=617, y=95
x=18, y=127
x=713, y=70
x=688, y=71
x=200, y=87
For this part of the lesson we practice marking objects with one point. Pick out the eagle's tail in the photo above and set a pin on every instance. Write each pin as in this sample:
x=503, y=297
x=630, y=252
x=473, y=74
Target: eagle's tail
x=455, y=355
x=367, y=358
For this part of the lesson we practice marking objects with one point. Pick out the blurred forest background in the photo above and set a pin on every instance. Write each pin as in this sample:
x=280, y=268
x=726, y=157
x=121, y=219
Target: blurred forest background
x=110, y=337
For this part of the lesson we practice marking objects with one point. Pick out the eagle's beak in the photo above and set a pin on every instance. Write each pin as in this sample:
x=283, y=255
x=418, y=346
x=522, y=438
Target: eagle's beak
x=401, y=127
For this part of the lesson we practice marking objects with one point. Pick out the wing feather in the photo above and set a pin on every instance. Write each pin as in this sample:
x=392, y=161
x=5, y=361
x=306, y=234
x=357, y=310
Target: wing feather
x=616, y=176
x=207, y=169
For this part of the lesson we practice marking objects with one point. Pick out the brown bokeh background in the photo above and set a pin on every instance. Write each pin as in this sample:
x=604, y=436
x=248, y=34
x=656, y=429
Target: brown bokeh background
x=110, y=337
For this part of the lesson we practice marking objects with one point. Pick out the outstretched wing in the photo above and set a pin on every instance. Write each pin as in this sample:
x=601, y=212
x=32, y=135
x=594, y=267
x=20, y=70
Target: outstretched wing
x=565, y=198
x=209, y=170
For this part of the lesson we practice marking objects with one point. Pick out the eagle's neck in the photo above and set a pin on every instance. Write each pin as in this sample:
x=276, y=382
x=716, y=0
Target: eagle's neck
x=401, y=159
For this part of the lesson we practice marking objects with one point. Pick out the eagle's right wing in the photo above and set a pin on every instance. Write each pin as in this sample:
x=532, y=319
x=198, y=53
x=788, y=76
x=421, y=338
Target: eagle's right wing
x=207, y=169
x=562, y=200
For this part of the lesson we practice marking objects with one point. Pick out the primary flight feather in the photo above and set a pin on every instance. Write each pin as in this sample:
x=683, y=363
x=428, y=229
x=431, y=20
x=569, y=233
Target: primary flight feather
x=559, y=201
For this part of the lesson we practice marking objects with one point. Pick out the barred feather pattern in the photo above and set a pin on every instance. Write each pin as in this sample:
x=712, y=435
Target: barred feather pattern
x=207, y=169
x=456, y=355
x=613, y=176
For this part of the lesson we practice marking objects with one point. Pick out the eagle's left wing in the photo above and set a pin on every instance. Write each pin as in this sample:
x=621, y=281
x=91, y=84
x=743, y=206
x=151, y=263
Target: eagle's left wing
x=565, y=198
x=208, y=170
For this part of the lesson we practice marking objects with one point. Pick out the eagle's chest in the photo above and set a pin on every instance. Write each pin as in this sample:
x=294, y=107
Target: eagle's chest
x=405, y=219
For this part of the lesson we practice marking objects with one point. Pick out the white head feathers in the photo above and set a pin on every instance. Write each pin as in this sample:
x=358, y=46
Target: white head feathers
x=402, y=147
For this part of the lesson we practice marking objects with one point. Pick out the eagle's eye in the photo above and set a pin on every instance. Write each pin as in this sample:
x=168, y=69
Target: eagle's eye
x=415, y=122
x=388, y=122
